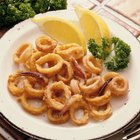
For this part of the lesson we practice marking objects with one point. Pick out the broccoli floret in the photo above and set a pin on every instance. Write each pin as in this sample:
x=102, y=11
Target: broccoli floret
x=2, y=14
x=26, y=11
x=99, y=51
x=58, y=4
x=40, y=6
x=14, y=11
x=13, y=16
x=121, y=58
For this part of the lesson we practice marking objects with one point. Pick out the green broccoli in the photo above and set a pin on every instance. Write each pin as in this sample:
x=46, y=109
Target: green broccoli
x=14, y=11
x=2, y=14
x=99, y=51
x=40, y=6
x=58, y=4
x=120, y=59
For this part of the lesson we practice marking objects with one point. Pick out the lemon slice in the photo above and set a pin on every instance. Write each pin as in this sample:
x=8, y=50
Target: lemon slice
x=92, y=24
x=61, y=30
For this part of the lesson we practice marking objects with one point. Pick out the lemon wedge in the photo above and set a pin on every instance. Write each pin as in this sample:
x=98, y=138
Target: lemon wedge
x=92, y=24
x=62, y=30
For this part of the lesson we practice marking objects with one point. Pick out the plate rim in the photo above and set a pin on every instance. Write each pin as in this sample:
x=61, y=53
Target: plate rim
x=100, y=138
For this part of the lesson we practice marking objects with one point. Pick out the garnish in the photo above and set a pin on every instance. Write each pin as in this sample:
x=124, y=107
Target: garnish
x=99, y=51
x=119, y=60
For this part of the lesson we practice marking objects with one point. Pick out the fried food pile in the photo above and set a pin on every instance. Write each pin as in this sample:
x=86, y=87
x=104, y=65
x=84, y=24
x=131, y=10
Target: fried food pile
x=62, y=80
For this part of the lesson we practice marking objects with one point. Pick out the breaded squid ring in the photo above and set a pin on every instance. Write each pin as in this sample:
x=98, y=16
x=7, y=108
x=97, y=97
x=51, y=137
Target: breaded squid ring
x=67, y=51
x=74, y=84
x=30, y=108
x=101, y=113
x=27, y=63
x=35, y=56
x=92, y=85
x=23, y=53
x=88, y=74
x=45, y=44
x=51, y=57
x=72, y=100
x=57, y=88
x=119, y=86
x=92, y=64
x=76, y=106
x=66, y=72
x=55, y=117
x=13, y=84
x=31, y=90
x=109, y=75
x=99, y=100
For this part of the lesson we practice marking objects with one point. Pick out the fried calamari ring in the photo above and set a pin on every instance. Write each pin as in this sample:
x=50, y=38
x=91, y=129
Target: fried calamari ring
x=45, y=44
x=24, y=100
x=27, y=63
x=119, y=86
x=74, y=84
x=75, y=107
x=55, y=117
x=34, y=88
x=67, y=51
x=92, y=64
x=109, y=75
x=23, y=53
x=66, y=72
x=34, y=84
x=35, y=56
x=92, y=85
x=15, y=85
x=99, y=100
x=62, y=92
x=72, y=100
x=101, y=113
x=51, y=57
x=88, y=74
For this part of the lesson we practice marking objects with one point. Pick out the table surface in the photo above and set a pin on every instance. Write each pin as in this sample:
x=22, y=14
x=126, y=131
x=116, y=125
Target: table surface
x=124, y=12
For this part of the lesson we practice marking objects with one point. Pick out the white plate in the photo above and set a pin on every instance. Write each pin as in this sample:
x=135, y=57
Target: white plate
x=124, y=109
